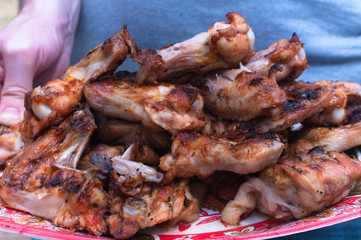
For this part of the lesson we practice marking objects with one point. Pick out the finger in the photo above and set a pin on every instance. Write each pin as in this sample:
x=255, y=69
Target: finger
x=19, y=74
x=2, y=72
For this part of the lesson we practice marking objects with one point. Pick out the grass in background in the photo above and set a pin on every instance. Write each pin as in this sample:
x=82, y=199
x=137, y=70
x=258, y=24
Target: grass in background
x=8, y=10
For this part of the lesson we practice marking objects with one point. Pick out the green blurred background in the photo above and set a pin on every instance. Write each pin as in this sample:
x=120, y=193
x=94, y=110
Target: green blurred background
x=8, y=10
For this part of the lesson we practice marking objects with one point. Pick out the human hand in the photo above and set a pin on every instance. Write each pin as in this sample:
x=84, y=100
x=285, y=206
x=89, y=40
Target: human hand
x=34, y=48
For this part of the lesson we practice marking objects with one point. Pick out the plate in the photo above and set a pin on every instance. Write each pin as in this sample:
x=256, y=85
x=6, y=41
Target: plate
x=208, y=226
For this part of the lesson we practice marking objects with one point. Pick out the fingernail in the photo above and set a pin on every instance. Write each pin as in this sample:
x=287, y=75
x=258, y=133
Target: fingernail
x=10, y=114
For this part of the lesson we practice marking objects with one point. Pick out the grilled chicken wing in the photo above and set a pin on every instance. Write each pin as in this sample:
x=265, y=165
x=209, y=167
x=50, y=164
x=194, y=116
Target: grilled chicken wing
x=173, y=108
x=224, y=45
x=155, y=204
x=333, y=139
x=351, y=89
x=288, y=54
x=50, y=104
x=337, y=139
x=43, y=181
x=244, y=97
x=296, y=186
x=335, y=112
x=303, y=100
x=138, y=200
x=199, y=155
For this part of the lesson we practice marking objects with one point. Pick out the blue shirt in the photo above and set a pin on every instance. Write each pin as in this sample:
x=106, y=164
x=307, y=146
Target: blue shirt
x=331, y=30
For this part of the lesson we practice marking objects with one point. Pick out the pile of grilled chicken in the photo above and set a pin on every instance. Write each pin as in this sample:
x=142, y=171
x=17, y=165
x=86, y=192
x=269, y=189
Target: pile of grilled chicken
x=113, y=152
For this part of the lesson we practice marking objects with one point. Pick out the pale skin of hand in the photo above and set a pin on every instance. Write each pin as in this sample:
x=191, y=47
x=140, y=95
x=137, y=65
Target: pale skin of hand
x=35, y=48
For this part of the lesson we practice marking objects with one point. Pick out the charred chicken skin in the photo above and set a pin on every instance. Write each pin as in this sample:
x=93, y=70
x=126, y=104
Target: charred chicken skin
x=223, y=188
x=170, y=107
x=303, y=100
x=246, y=97
x=154, y=204
x=288, y=54
x=43, y=181
x=139, y=200
x=224, y=45
x=296, y=186
x=97, y=163
x=339, y=139
x=335, y=112
x=199, y=155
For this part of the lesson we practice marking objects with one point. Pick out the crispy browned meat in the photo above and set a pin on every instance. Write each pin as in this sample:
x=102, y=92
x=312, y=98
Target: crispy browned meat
x=296, y=186
x=119, y=131
x=139, y=152
x=151, y=62
x=224, y=45
x=224, y=184
x=331, y=138
x=288, y=54
x=43, y=181
x=215, y=126
x=133, y=175
x=251, y=90
x=339, y=139
x=223, y=187
x=170, y=107
x=190, y=210
x=244, y=97
x=10, y=143
x=335, y=113
x=84, y=208
x=199, y=155
x=303, y=100
x=50, y=104
x=97, y=163
x=152, y=205
x=213, y=202
x=353, y=114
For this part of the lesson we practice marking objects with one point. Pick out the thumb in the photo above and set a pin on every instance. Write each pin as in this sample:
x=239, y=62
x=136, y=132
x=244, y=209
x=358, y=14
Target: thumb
x=19, y=74
x=12, y=105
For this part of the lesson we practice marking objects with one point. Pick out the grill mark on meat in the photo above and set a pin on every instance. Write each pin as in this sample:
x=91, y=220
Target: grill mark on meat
x=291, y=105
x=253, y=135
x=355, y=116
x=189, y=90
x=56, y=180
x=308, y=94
x=256, y=81
x=275, y=68
x=268, y=136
